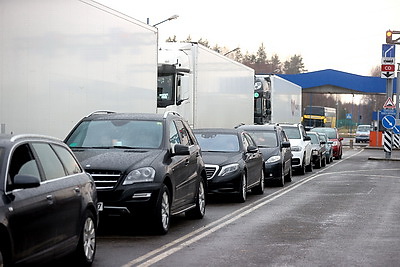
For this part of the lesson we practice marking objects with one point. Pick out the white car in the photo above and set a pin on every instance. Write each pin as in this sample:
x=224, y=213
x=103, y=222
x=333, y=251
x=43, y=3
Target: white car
x=301, y=147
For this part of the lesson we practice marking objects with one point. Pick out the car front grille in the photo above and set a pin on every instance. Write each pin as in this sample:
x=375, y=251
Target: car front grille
x=211, y=170
x=105, y=180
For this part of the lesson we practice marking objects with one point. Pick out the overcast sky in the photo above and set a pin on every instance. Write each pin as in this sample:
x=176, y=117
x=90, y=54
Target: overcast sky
x=345, y=35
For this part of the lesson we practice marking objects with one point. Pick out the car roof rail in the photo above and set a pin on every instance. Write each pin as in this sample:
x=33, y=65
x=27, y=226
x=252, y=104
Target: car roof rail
x=15, y=138
x=98, y=112
x=172, y=113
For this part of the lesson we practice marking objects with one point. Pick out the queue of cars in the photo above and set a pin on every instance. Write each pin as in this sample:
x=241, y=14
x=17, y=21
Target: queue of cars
x=147, y=166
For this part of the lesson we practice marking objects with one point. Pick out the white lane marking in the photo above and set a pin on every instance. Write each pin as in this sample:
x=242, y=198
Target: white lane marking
x=224, y=221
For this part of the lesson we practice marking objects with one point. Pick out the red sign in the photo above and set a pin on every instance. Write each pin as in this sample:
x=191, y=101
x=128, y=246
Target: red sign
x=389, y=103
x=387, y=67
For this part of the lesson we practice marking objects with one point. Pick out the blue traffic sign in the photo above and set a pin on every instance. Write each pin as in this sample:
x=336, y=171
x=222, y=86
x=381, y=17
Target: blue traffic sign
x=396, y=129
x=388, y=50
x=349, y=116
x=388, y=122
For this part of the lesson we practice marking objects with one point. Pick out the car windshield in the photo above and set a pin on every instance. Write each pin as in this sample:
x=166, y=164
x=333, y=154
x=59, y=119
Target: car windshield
x=117, y=134
x=363, y=128
x=218, y=142
x=314, y=139
x=330, y=132
x=322, y=138
x=264, y=138
x=292, y=132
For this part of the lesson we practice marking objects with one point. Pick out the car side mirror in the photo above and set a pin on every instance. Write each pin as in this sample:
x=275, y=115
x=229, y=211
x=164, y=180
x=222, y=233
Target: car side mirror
x=180, y=150
x=285, y=144
x=340, y=139
x=252, y=149
x=22, y=181
x=307, y=138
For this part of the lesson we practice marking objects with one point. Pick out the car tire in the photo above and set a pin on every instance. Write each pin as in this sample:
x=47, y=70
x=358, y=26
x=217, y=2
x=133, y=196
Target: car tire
x=86, y=248
x=242, y=194
x=281, y=181
x=259, y=189
x=323, y=163
x=309, y=167
x=200, y=209
x=302, y=169
x=288, y=177
x=162, y=215
x=318, y=163
x=1, y=256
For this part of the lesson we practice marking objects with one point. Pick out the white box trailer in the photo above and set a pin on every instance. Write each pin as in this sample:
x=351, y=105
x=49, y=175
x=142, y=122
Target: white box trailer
x=276, y=100
x=63, y=59
x=205, y=87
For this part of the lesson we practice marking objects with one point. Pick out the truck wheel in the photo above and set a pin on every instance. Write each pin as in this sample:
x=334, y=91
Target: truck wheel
x=162, y=214
x=200, y=209
x=86, y=248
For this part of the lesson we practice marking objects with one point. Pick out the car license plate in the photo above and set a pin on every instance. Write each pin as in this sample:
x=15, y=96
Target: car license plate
x=100, y=206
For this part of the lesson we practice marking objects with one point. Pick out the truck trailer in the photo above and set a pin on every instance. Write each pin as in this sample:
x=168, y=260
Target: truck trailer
x=206, y=88
x=276, y=100
x=63, y=59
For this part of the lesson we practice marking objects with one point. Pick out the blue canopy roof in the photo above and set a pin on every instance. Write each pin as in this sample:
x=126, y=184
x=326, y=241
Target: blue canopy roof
x=363, y=84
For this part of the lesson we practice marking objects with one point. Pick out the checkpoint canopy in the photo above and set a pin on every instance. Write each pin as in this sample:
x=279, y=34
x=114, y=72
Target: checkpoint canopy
x=338, y=82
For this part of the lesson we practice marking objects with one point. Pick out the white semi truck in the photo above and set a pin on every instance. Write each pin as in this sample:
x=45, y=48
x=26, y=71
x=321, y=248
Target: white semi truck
x=63, y=59
x=207, y=88
x=276, y=100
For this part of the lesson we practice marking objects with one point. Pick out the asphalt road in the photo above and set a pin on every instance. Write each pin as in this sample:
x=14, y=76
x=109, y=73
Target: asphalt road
x=346, y=214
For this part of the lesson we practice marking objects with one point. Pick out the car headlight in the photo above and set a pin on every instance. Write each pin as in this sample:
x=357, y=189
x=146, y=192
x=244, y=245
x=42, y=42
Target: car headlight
x=335, y=143
x=296, y=148
x=141, y=175
x=228, y=169
x=273, y=159
x=315, y=152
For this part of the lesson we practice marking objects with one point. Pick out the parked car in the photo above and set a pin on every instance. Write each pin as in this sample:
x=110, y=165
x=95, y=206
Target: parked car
x=328, y=147
x=362, y=133
x=300, y=146
x=148, y=165
x=233, y=162
x=318, y=150
x=275, y=148
x=333, y=135
x=47, y=203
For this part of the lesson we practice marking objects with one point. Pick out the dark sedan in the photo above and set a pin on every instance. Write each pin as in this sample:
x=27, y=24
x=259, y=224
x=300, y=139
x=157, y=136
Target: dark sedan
x=233, y=162
x=47, y=203
x=275, y=147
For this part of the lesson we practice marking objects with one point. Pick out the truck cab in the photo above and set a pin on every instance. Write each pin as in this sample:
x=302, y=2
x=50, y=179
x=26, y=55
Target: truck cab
x=262, y=100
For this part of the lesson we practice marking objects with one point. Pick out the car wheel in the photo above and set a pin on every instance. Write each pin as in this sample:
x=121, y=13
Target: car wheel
x=323, y=163
x=288, y=177
x=200, y=209
x=302, y=169
x=1, y=257
x=281, y=181
x=309, y=167
x=242, y=194
x=86, y=248
x=259, y=189
x=318, y=163
x=162, y=211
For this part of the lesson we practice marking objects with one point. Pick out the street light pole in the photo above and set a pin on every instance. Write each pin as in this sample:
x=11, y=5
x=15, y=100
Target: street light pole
x=168, y=19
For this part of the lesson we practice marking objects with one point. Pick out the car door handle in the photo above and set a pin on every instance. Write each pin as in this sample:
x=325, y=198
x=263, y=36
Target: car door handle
x=186, y=162
x=77, y=190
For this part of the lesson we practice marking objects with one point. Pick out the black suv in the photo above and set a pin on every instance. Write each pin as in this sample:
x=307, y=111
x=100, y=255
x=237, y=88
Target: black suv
x=147, y=164
x=47, y=203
